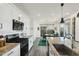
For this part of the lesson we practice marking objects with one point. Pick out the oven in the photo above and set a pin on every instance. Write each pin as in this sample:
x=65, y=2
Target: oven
x=14, y=38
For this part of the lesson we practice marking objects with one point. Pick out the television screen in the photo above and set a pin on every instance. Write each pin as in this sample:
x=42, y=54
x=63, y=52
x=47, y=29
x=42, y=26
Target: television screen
x=17, y=25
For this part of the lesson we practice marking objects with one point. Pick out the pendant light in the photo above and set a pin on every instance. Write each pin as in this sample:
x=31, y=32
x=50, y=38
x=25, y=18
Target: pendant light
x=62, y=19
x=62, y=22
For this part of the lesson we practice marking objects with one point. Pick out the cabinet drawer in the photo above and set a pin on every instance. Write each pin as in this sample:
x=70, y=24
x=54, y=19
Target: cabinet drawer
x=14, y=52
x=10, y=53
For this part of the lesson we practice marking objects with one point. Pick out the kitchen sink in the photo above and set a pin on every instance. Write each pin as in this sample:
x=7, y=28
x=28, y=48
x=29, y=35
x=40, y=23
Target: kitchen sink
x=64, y=50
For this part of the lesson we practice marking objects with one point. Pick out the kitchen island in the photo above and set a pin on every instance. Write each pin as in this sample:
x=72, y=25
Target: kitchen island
x=58, y=49
x=11, y=49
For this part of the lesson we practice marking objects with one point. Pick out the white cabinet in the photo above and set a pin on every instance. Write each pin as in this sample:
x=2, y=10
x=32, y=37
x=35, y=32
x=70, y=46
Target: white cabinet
x=77, y=29
x=30, y=43
x=68, y=42
x=51, y=53
x=17, y=50
x=14, y=52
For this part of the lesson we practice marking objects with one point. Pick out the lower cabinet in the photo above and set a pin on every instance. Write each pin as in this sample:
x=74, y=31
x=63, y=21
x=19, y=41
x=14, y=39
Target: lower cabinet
x=30, y=43
x=68, y=42
x=14, y=52
x=51, y=53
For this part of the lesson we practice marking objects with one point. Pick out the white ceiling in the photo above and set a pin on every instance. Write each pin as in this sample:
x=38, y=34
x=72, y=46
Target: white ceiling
x=48, y=11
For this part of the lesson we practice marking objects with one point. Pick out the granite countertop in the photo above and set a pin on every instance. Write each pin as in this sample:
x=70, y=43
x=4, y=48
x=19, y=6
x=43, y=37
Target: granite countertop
x=54, y=40
x=7, y=48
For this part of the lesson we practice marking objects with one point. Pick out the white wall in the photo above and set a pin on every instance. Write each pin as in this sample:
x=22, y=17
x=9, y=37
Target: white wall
x=36, y=31
x=9, y=12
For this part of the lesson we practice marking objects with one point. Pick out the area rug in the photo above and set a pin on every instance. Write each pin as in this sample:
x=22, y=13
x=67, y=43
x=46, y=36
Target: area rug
x=42, y=42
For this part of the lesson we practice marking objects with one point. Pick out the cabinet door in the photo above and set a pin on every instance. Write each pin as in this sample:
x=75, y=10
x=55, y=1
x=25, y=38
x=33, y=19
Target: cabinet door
x=68, y=42
x=10, y=53
x=51, y=53
x=17, y=51
x=14, y=52
x=77, y=29
x=30, y=42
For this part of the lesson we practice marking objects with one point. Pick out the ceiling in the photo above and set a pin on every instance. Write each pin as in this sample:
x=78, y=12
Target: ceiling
x=47, y=11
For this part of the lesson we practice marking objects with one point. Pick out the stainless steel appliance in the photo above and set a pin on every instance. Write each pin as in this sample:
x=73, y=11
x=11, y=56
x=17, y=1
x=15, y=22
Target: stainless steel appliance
x=14, y=38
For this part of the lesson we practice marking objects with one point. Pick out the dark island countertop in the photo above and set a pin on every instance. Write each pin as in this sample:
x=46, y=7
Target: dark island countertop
x=58, y=50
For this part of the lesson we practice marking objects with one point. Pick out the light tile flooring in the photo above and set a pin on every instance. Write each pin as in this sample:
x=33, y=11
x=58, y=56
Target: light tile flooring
x=38, y=50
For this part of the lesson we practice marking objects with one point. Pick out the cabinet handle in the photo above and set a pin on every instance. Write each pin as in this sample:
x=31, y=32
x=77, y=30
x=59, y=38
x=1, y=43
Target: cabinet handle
x=10, y=53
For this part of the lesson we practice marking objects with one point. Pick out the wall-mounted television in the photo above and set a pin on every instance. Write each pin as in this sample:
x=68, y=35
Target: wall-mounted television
x=17, y=25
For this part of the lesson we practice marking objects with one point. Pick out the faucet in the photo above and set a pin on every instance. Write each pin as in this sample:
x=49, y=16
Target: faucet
x=69, y=36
